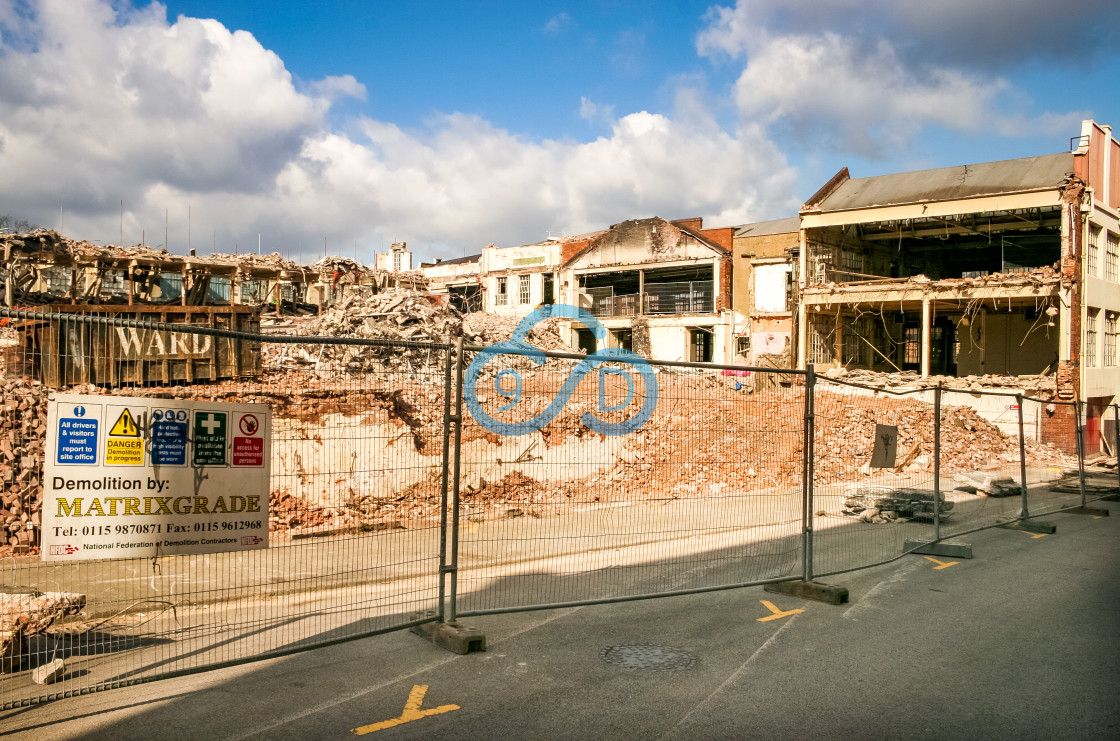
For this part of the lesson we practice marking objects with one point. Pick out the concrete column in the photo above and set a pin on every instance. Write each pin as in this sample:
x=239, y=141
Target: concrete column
x=802, y=314
x=927, y=335
x=838, y=339
x=641, y=291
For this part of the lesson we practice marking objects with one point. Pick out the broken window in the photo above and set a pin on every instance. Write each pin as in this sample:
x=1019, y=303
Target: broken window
x=820, y=338
x=502, y=297
x=523, y=290
x=218, y=291
x=170, y=287
x=252, y=291
x=855, y=348
x=912, y=345
x=1091, y=337
x=548, y=294
x=114, y=285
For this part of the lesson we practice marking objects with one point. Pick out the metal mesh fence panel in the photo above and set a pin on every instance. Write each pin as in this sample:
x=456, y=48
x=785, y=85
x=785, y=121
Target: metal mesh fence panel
x=357, y=451
x=980, y=459
x=874, y=486
x=562, y=503
x=1053, y=478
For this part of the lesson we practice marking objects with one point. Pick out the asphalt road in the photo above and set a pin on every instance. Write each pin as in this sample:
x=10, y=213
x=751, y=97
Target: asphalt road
x=1019, y=642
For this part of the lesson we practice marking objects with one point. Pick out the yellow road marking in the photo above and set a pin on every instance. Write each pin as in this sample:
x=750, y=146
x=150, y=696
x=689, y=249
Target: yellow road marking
x=411, y=712
x=1039, y=535
x=941, y=564
x=776, y=612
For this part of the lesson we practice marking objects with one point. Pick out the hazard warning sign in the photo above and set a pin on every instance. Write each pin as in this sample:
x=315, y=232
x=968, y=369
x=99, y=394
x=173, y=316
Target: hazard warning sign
x=125, y=426
x=124, y=446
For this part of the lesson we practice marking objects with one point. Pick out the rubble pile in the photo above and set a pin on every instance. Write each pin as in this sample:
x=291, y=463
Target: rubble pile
x=53, y=243
x=399, y=315
x=845, y=427
x=883, y=504
x=287, y=512
x=23, y=427
x=25, y=615
x=1039, y=386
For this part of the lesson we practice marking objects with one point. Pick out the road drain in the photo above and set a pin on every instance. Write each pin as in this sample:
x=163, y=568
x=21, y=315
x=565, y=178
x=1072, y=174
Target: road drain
x=647, y=656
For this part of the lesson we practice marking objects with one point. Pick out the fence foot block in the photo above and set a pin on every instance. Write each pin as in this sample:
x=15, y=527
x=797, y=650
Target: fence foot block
x=951, y=548
x=1094, y=511
x=1031, y=526
x=814, y=590
x=454, y=636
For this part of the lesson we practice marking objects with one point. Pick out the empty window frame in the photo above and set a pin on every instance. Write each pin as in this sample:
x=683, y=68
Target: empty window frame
x=502, y=296
x=912, y=345
x=523, y=290
x=1091, y=315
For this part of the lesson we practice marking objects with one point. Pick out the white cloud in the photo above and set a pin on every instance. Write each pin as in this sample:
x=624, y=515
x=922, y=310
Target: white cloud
x=334, y=87
x=589, y=110
x=855, y=92
x=558, y=24
x=104, y=105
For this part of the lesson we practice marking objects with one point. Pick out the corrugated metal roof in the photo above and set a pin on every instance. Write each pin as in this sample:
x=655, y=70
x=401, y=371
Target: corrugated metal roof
x=949, y=183
x=766, y=228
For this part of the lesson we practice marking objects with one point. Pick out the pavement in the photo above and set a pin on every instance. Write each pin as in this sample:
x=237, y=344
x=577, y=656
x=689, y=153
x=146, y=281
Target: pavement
x=1019, y=642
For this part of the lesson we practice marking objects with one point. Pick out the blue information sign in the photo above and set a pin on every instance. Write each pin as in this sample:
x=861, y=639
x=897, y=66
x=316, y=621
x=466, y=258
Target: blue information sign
x=77, y=440
x=169, y=437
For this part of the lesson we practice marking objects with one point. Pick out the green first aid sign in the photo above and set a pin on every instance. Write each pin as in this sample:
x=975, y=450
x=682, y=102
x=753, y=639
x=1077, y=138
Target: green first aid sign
x=210, y=438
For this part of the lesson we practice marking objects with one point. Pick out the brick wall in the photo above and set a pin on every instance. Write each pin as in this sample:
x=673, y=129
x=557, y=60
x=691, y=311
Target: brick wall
x=723, y=299
x=1059, y=428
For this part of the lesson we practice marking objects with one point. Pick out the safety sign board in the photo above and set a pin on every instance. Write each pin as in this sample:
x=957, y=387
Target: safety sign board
x=128, y=477
x=77, y=434
x=169, y=437
x=210, y=438
x=248, y=447
x=124, y=445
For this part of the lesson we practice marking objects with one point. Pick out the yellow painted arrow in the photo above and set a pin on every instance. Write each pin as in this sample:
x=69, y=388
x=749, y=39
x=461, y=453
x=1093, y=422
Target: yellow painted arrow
x=411, y=712
x=1039, y=535
x=777, y=613
x=941, y=564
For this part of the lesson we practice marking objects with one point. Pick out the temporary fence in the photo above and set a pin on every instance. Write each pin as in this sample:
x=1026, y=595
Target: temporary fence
x=419, y=482
x=356, y=490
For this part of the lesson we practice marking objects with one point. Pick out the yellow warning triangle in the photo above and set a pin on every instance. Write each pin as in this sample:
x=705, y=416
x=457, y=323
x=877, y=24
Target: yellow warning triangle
x=125, y=426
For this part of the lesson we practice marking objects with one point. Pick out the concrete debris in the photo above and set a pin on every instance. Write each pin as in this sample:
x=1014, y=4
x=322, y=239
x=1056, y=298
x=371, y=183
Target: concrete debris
x=880, y=504
x=23, y=427
x=396, y=315
x=1038, y=386
x=987, y=485
x=1041, y=276
x=24, y=615
x=48, y=673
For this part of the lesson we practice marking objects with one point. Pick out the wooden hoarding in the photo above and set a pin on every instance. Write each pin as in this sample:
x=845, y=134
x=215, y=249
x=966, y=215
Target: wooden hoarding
x=65, y=353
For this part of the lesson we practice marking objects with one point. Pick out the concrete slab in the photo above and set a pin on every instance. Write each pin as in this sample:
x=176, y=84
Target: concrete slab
x=950, y=548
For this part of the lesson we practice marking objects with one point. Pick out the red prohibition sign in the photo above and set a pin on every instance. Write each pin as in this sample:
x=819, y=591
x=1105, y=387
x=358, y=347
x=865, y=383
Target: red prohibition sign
x=248, y=424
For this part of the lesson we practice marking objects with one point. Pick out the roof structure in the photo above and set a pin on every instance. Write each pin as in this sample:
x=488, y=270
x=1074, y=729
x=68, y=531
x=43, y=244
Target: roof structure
x=767, y=228
x=947, y=183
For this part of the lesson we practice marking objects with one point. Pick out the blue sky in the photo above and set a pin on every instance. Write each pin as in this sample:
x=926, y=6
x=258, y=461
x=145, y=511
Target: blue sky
x=451, y=125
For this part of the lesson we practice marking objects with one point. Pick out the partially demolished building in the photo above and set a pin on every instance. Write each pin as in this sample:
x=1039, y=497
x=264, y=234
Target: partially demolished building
x=1003, y=269
x=661, y=288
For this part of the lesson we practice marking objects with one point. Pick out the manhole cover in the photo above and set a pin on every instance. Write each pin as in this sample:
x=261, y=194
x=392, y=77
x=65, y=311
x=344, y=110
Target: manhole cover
x=647, y=656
